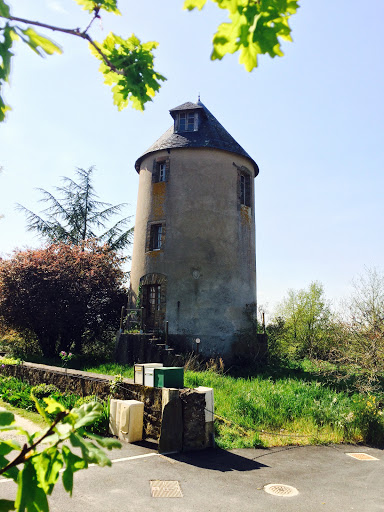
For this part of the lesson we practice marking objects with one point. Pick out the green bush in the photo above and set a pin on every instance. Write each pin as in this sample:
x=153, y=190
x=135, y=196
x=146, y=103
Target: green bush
x=368, y=417
x=45, y=390
x=17, y=344
x=100, y=426
x=17, y=393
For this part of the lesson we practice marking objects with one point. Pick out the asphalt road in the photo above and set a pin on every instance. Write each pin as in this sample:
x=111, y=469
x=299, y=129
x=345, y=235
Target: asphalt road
x=326, y=478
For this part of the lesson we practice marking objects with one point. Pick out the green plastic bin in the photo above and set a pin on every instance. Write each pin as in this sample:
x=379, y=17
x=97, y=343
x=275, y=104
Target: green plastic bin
x=169, y=377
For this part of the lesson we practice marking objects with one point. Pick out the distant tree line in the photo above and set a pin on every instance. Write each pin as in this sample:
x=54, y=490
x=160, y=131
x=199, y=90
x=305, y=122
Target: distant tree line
x=351, y=339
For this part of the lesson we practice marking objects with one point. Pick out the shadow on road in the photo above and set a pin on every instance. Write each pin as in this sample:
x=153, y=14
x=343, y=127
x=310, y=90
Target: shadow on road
x=217, y=460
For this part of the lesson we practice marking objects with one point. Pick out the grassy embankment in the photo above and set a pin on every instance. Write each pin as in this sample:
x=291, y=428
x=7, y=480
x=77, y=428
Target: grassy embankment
x=285, y=410
x=290, y=408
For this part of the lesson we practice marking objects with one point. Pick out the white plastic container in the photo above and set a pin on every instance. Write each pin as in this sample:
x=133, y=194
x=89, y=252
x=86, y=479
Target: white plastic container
x=131, y=421
x=114, y=416
x=139, y=374
x=149, y=376
x=209, y=403
x=139, y=377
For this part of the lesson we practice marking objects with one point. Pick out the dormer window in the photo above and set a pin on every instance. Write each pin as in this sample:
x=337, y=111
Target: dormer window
x=186, y=122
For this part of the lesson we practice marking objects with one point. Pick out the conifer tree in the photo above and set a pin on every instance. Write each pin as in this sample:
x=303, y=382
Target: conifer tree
x=77, y=215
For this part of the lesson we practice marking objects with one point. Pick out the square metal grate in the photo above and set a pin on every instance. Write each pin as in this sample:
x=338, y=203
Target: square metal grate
x=165, y=489
x=362, y=456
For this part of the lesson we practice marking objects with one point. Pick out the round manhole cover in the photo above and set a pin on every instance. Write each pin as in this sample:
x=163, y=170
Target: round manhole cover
x=286, y=491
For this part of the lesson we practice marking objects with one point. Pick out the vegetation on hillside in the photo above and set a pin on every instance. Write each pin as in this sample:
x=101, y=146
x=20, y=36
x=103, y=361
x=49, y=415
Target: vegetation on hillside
x=347, y=345
x=282, y=406
x=323, y=380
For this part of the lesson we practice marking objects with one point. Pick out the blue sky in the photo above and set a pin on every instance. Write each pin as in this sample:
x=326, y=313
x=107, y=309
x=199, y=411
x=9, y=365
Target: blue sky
x=312, y=120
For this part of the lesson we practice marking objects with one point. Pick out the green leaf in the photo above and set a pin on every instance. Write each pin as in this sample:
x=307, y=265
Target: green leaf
x=132, y=75
x=6, y=505
x=90, y=452
x=255, y=28
x=29, y=495
x=105, y=442
x=4, y=9
x=5, y=52
x=73, y=463
x=63, y=430
x=6, y=447
x=86, y=414
x=38, y=43
x=12, y=473
x=40, y=409
x=92, y=5
x=3, y=109
x=53, y=407
x=6, y=418
x=194, y=4
x=47, y=465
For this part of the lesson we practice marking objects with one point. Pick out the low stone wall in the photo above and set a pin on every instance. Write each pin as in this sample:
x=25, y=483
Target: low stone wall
x=172, y=417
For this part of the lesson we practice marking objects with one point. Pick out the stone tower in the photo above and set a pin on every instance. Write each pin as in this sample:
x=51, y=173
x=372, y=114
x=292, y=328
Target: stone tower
x=193, y=262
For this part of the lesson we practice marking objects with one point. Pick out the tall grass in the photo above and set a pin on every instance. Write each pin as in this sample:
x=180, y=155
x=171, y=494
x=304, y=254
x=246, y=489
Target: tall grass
x=111, y=369
x=260, y=411
x=283, y=410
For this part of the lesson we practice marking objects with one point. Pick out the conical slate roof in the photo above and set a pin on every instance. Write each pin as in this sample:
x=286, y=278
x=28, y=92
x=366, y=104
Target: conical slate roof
x=211, y=134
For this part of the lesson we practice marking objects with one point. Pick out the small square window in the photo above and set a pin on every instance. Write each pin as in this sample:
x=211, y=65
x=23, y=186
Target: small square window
x=186, y=122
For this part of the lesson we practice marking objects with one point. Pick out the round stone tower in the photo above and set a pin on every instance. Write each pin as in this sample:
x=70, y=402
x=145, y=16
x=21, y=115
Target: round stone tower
x=193, y=262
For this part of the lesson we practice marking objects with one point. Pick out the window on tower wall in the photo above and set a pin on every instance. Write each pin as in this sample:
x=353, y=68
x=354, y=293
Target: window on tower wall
x=156, y=237
x=160, y=170
x=162, y=167
x=245, y=189
x=186, y=122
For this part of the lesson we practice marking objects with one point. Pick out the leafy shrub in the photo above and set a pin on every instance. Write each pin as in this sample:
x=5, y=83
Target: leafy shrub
x=79, y=288
x=44, y=390
x=9, y=360
x=115, y=383
x=99, y=426
x=87, y=399
x=18, y=344
x=17, y=393
x=369, y=419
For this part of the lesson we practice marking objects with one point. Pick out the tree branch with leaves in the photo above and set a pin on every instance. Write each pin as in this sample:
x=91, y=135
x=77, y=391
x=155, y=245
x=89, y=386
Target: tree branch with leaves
x=127, y=64
x=41, y=466
x=255, y=27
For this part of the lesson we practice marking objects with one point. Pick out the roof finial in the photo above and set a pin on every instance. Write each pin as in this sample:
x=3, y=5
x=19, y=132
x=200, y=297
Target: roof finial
x=198, y=99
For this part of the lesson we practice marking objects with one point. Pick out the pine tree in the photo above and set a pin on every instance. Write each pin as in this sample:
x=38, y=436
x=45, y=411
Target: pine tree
x=78, y=216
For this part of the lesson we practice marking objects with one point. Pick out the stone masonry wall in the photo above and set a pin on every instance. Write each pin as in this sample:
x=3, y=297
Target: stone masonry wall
x=174, y=418
x=86, y=383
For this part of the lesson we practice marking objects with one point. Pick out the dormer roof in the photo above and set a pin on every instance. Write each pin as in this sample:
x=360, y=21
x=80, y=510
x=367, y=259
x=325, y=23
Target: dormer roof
x=209, y=134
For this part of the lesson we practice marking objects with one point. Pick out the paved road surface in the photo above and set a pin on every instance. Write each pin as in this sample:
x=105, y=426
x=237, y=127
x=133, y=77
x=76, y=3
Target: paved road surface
x=327, y=479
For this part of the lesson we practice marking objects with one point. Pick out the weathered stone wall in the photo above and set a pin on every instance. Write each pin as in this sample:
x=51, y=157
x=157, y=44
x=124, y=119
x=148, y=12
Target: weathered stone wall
x=193, y=406
x=175, y=418
x=85, y=383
